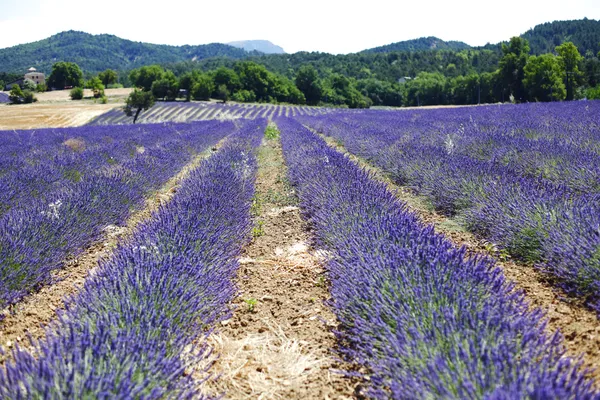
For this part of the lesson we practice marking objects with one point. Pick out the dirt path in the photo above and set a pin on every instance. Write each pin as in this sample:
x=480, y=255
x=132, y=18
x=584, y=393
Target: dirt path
x=278, y=343
x=28, y=317
x=580, y=326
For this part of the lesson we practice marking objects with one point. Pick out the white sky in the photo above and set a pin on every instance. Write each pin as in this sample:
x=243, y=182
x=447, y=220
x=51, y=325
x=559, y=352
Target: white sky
x=311, y=25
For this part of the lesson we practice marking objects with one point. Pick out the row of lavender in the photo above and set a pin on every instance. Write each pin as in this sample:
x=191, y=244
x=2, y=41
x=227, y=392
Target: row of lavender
x=426, y=322
x=129, y=332
x=3, y=97
x=196, y=111
x=62, y=187
x=526, y=177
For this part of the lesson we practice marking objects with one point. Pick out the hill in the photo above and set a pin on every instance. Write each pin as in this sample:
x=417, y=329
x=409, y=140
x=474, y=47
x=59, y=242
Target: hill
x=424, y=43
x=263, y=46
x=95, y=53
x=584, y=33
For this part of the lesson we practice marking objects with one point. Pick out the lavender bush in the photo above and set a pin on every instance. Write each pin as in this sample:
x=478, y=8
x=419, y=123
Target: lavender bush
x=61, y=199
x=526, y=177
x=127, y=333
x=425, y=321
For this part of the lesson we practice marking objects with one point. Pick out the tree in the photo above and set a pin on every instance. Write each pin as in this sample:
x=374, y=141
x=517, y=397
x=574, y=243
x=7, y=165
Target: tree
x=512, y=66
x=307, y=80
x=203, y=87
x=167, y=87
x=16, y=95
x=544, y=78
x=65, y=74
x=223, y=93
x=97, y=87
x=227, y=77
x=255, y=78
x=187, y=82
x=108, y=77
x=569, y=60
x=137, y=101
x=144, y=77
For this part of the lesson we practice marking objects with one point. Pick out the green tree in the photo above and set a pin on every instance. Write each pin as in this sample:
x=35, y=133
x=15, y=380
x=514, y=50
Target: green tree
x=144, y=77
x=65, y=74
x=137, y=101
x=223, y=93
x=544, y=78
x=16, y=95
x=569, y=59
x=97, y=87
x=203, y=87
x=227, y=77
x=108, y=77
x=255, y=78
x=427, y=89
x=167, y=87
x=512, y=66
x=187, y=82
x=307, y=80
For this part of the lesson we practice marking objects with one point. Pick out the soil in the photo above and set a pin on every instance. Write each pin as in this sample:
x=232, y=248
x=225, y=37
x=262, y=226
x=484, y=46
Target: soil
x=278, y=343
x=28, y=318
x=579, y=326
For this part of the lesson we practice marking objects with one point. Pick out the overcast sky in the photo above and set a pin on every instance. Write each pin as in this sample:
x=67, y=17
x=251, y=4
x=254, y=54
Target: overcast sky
x=311, y=25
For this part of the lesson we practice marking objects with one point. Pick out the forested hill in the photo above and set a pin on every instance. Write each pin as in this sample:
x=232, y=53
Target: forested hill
x=543, y=38
x=95, y=53
x=584, y=33
x=424, y=43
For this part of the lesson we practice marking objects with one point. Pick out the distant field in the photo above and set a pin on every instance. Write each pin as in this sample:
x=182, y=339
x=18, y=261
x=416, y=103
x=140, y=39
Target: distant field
x=186, y=112
x=55, y=109
x=40, y=115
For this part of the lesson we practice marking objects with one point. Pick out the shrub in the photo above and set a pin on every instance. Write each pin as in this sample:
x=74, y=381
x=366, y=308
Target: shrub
x=76, y=93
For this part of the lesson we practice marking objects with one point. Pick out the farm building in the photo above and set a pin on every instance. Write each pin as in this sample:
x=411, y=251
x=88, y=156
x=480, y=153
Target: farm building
x=32, y=75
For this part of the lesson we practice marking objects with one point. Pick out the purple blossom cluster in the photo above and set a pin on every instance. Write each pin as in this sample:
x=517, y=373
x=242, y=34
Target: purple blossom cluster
x=526, y=177
x=130, y=333
x=62, y=187
x=424, y=320
x=4, y=97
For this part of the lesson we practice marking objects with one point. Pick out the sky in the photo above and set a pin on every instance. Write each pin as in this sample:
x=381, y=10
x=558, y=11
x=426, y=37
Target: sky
x=307, y=25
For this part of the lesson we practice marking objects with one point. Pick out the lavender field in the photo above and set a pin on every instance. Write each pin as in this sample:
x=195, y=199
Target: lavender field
x=415, y=316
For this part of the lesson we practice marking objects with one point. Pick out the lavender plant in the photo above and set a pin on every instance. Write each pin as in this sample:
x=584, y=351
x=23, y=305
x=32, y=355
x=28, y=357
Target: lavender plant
x=50, y=214
x=130, y=332
x=425, y=321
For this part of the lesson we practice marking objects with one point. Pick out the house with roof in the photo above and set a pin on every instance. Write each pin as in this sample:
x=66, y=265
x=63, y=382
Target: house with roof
x=32, y=75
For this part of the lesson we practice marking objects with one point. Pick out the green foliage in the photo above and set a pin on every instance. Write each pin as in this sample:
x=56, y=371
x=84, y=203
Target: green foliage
x=222, y=93
x=167, y=87
x=512, y=66
x=424, y=43
x=30, y=85
x=307, y=81
x=65, y=74
x=251, y=304
x=340, y=90
x=97, y=87
x=144, y=77
x=76, y=93
x=381, y=93
x=569, y=60
x=137, y=101
x=228, y=78
x=244, y=96
x=593, y=93
x=584, y=33
x=29, y=97
x=258, y=230
x=544, y=78
x=271, y=132
x=96, y=53
x=203, y=87
x=16, y=95
x=108, y=77
x=41, y=88
x=426, y=89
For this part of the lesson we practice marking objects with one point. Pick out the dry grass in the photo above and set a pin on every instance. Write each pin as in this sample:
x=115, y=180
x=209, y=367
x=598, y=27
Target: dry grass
x=49, y=115
x=259, y=366
x=77, y=145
